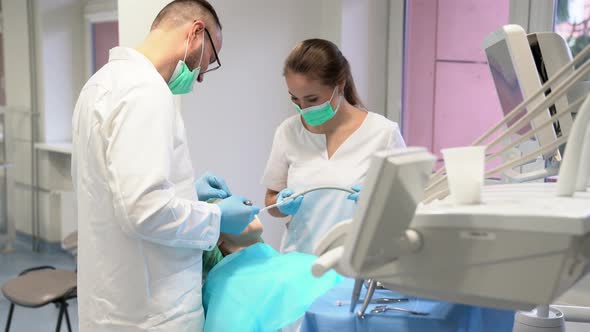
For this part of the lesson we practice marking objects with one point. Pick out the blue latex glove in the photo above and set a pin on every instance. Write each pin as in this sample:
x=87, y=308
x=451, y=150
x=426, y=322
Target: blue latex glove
x=355, y=197
x=291, y=206
x=235, y=215
x=211, y=186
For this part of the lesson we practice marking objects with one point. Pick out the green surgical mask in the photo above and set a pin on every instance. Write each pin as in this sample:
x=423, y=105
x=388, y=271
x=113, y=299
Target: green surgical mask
x=319, y=114
x=183, y=79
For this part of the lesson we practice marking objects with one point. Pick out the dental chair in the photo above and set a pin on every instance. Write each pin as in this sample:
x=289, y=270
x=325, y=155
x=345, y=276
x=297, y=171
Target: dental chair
x=523, y=247
x=43, y=285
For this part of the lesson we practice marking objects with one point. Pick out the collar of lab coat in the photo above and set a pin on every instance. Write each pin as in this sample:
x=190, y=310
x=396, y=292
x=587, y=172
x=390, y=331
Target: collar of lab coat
x=127, y=53
x=130, y=54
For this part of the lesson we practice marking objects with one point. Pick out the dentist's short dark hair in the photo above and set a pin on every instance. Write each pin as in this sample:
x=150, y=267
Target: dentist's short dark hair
x=180, y=12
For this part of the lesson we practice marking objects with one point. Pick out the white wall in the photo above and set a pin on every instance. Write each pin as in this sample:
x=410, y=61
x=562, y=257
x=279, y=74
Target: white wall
x=231, y=118
x=134, y=25
x=364, y=42
x=95, y=11
x=16, y=53
x=135, y=19
x=355, y=26
x=60, y=60
x=18, y=97
x=331, y=23
x=246, y=100
x=395, y=62
x=59, y=76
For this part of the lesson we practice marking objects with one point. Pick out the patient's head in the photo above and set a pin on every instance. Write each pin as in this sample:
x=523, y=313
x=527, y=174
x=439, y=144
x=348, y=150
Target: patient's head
x=228, y=243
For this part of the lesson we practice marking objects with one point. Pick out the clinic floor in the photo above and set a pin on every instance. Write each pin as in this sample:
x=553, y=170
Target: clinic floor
x=45, y=318
x=40, y=319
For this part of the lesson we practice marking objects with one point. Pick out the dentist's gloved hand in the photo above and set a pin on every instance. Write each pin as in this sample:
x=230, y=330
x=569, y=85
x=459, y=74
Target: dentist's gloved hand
x=211, y=186
x=355, y=197
x=236, y=215
x=291, y=206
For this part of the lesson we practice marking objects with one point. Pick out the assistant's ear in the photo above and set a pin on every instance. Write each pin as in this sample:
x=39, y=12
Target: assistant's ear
x=341, y=87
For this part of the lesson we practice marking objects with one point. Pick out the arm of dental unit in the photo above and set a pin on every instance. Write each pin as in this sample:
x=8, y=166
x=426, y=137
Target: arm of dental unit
x=523, y=247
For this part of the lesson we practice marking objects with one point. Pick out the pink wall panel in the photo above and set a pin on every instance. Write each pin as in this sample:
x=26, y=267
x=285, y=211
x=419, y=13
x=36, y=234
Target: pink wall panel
x=420, y=68
x=105, y=37
x=463, y=25
x=466, y=104
x=447, y=100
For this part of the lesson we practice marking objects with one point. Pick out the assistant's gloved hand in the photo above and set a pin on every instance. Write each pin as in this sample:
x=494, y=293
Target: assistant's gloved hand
x=291, y=206
x=235, y=215
x=355, y=196
x=210, y=186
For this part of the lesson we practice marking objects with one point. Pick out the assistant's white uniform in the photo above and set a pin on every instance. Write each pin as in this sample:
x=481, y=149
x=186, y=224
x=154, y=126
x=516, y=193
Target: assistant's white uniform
x=299, y=161
x=141, y=230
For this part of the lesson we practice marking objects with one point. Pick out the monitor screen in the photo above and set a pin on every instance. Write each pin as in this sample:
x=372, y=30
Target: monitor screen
x=506, y=81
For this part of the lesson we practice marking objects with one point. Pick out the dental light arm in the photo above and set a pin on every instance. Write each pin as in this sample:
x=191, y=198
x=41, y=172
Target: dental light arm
x=521, y=249
x=438, y=187
x=576, y=155
x=525, y=103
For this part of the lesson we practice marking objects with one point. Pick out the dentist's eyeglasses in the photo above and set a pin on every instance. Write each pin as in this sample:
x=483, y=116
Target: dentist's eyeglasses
x=217, y=64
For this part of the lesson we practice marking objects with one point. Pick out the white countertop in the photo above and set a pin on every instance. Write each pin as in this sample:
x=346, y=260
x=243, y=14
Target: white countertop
x=527, y=207
x=59, y=147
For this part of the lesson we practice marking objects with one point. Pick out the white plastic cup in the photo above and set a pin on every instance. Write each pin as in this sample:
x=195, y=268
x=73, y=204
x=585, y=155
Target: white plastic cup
x=465, y=173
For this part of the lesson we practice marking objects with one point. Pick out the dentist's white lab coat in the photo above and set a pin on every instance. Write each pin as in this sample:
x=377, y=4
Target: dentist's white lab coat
x=141, y=230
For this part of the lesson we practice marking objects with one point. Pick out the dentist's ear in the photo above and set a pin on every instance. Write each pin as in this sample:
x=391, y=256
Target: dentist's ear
x=196, y=29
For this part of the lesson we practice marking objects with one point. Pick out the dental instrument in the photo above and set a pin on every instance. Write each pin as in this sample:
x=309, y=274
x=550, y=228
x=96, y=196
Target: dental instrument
x=295, y=195
x=384, y=308
x=383, y=300
x=356, y=294
x=370, y=292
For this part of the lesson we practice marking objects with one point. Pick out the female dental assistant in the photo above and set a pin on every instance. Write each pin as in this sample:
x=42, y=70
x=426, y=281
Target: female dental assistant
x=329, y=142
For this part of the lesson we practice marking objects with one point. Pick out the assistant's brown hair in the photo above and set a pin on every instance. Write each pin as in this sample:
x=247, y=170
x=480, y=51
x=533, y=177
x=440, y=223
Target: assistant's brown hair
x=322, y=60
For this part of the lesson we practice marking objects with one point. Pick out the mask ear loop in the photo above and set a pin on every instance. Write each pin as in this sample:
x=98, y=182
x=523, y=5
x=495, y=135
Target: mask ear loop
x=339, y=99
x=202, y=49
x=186, y=48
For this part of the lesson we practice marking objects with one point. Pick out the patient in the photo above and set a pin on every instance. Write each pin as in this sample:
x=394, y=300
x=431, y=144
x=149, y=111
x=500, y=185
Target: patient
x=262, y=289
x=228, y=243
